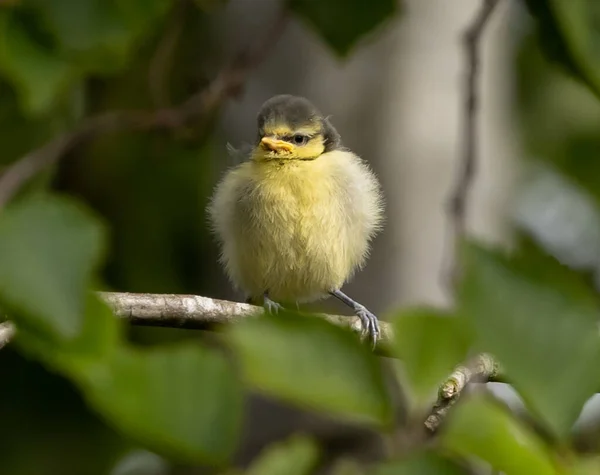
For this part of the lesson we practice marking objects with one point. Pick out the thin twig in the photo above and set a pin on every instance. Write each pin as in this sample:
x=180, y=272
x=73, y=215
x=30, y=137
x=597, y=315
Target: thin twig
x=199, y=106
x=485, y=368
x=482, y=370
x=458, y=202
x=192, y=312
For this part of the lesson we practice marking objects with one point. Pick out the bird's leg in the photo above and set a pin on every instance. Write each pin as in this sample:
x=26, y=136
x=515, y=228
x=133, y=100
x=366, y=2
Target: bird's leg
x=270, y=305
x=369, y=321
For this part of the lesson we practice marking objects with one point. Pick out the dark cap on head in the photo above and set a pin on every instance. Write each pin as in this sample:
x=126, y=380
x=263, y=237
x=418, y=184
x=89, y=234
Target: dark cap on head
x=295, y=112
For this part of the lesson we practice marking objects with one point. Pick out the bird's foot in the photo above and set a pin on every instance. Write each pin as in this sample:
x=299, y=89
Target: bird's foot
x=271, y=306
x=370, y=324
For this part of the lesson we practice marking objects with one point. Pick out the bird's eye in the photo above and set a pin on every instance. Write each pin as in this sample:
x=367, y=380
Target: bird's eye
x=300, y=139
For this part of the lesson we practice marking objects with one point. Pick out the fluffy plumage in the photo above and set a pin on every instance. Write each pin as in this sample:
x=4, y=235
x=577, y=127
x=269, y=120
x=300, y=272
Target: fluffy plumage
x=295, y=222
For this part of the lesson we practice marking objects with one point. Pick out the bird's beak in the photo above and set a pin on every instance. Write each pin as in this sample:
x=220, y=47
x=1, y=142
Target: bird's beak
x=275, y=145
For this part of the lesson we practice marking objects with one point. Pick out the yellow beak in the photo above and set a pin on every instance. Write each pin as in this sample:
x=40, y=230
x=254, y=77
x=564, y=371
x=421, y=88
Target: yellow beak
x=275, y=145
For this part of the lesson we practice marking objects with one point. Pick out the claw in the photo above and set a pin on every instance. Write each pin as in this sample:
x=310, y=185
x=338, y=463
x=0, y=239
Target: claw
x=370, y=324
x=271, y=306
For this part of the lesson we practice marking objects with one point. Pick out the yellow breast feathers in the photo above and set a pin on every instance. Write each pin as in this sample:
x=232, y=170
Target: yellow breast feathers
x=297, y=229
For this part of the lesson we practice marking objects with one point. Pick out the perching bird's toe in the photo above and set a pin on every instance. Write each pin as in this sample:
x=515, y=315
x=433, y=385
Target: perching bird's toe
x=370, y=324
x=271, y=306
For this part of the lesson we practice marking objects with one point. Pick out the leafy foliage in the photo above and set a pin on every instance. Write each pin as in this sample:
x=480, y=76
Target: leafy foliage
x=541, y=327
x=483, y=429
x=430, y=344
x=49, y=248
x=570, y=33
x=318, y=365
x=182, y=400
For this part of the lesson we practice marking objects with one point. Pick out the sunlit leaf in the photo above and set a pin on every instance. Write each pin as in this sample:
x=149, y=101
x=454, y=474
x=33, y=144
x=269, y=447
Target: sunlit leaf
x=430, y=344
x=295, y=456
x=49, y=248
x=310, y=362
x=342, y=23
x=540, y=322
x=182, y=400
x=482, y=429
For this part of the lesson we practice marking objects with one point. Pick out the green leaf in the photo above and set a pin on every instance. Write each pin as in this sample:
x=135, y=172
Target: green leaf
x=98, y=35
x=37, y=73
x=182, y=400
x=482, y=429
x=540, y=322
x=421, y=463
x=308, y=361
x=430, y=344
x=96, y=344
x=296, y=456
x=342, y=23
x=49, y=248
x=570, y=33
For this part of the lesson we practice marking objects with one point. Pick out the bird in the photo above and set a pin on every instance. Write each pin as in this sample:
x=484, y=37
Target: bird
x=296, y=218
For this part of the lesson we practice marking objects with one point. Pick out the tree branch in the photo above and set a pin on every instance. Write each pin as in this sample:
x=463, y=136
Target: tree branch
x=482, y=369
x=198, y=106
x=190, y=312
x=458, y=202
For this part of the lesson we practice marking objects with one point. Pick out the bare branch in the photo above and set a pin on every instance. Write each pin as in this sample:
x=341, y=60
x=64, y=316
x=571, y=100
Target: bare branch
x=482, y=370
x=7, y=332
x=458, y=202
x=190, y=312
x=199, y=106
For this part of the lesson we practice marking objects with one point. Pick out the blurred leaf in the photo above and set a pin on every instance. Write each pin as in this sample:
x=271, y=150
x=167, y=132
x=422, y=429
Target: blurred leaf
x=482, y=429
x=182, y=400
x=98, y=35
x=89, y=32
x=430, y=344
x=49, y=247
x=37, y=73
x=341, y=23
x=296, y=456
x=347, y=466
x=587, y=465
x=20, y=134
x=308, y=361
x=94, y=345
x=570, y=33
x=421, y=463
x=541, y=323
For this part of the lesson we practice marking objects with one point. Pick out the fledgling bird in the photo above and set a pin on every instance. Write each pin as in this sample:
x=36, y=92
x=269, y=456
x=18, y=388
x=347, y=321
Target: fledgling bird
x=295, y=220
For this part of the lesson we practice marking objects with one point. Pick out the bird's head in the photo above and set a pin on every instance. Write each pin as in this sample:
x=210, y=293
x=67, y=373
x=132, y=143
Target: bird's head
x=291, y=128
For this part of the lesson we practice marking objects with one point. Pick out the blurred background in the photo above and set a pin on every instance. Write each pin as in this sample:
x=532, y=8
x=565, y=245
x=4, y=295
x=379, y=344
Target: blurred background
x=397, y=101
